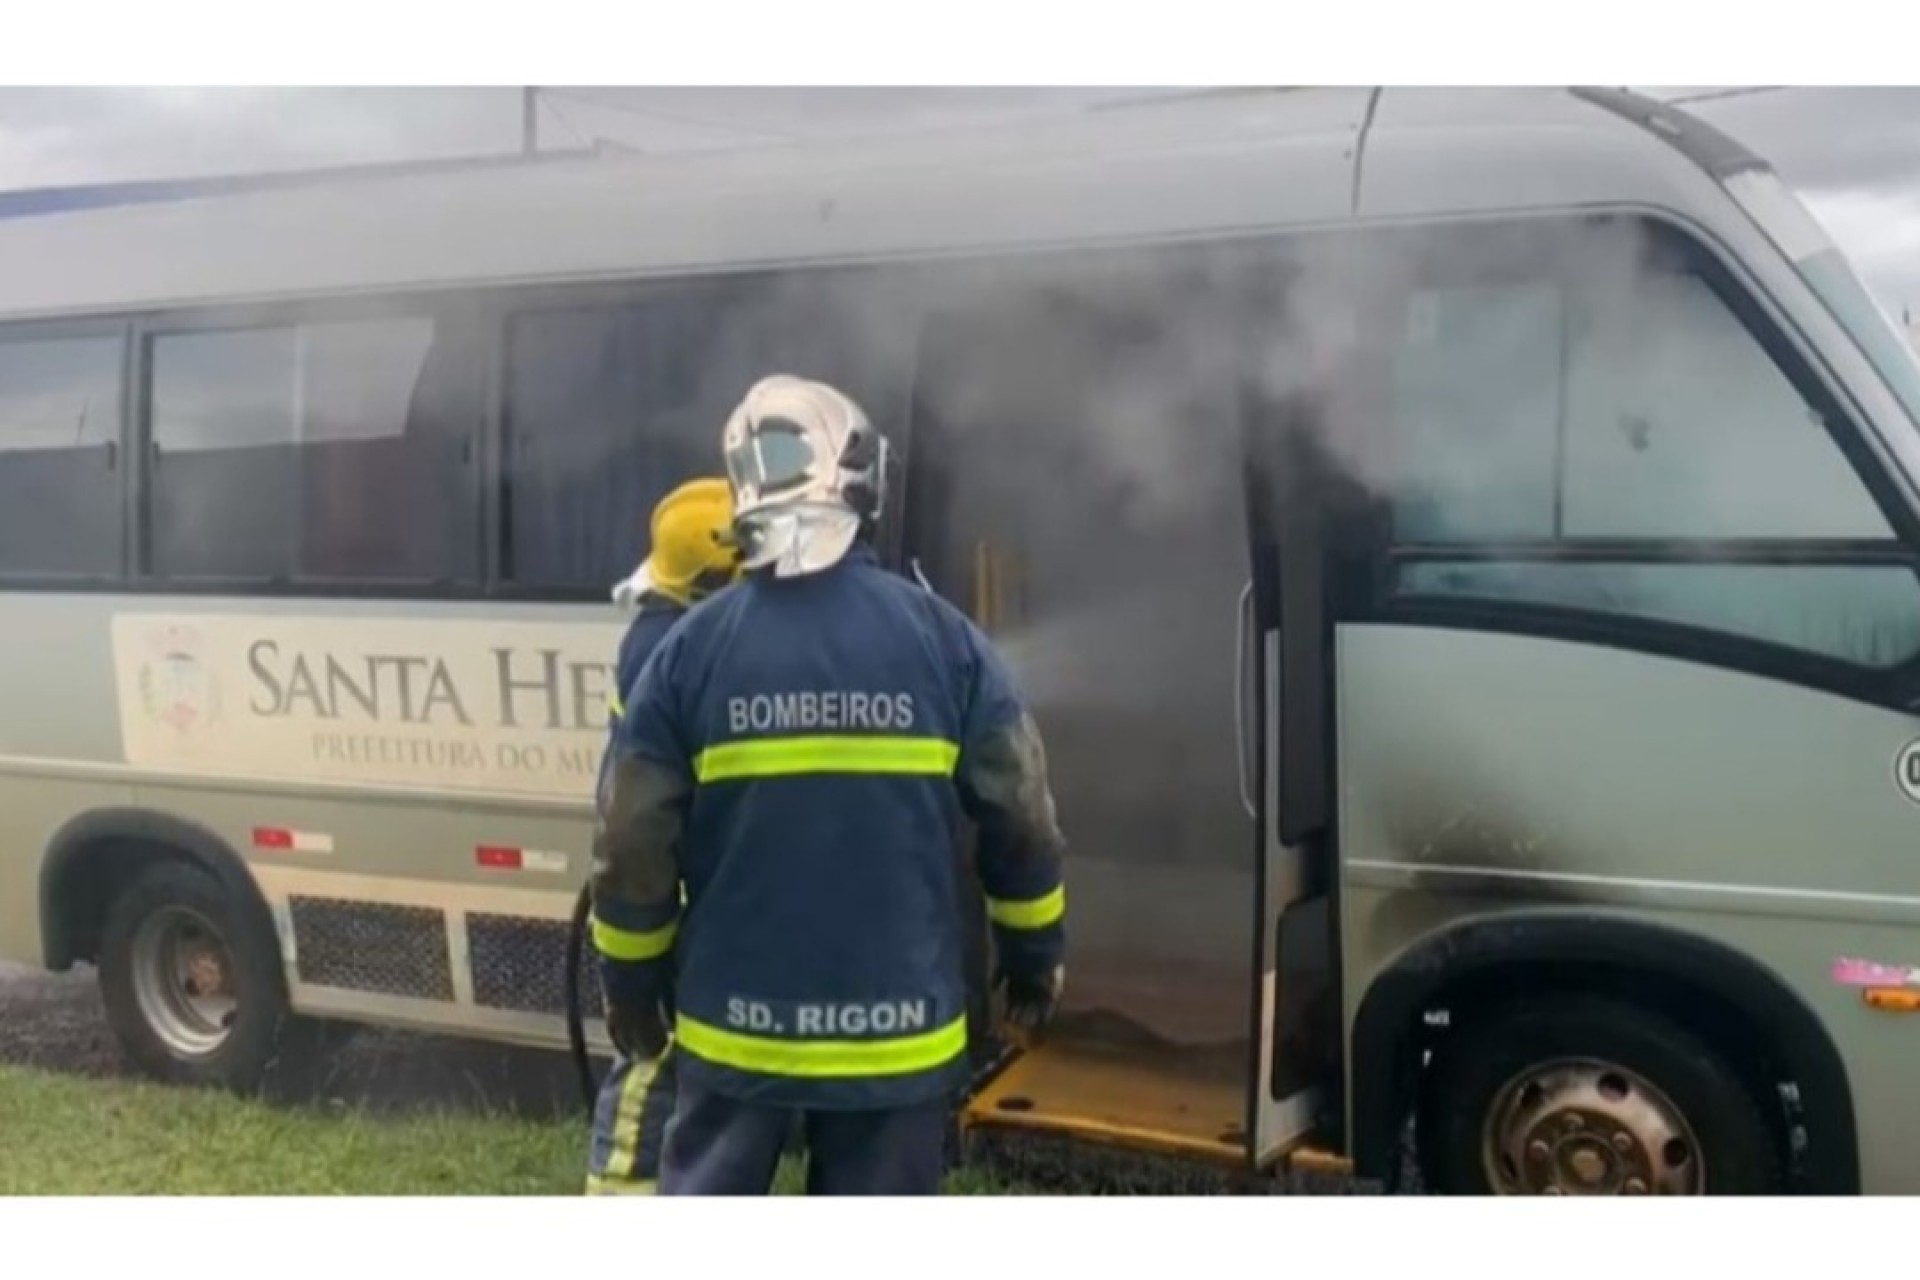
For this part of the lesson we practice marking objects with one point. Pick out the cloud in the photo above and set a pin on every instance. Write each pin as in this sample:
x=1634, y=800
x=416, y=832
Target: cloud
x=1853, y=154
x=1827, y=139
x=51, y=137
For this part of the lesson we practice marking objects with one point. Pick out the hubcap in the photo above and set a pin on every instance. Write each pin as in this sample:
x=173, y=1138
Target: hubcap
x=183, y=981
x=1588, y=1128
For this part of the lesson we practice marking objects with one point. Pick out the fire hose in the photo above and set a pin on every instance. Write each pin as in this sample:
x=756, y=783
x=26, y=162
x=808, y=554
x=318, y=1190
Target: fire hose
x=576, y=1019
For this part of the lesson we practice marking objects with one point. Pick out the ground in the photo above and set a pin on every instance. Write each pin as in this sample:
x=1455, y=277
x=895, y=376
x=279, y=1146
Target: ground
x=397, y=1113
x=143, y=1139
x=394, y=1113
x=146, y=1139
x=55, y=1021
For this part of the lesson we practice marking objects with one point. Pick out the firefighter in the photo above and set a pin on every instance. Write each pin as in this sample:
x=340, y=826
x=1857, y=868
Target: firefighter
x=691, y=554
x=799, y=753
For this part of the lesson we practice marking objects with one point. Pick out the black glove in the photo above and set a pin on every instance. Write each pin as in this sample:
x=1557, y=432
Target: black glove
x=638, y=998
x=1033, y=997
x=638, y=1031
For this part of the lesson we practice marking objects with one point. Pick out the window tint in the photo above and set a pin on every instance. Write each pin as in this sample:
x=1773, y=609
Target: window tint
x=1477, y=400
x=60, y=489
x=214, y=392
x=317, y=452
x=1830, y=276
x=1596, y=387
x=610, y=407
x=1635, y=407
x=1679, y=425
x=1868, y=615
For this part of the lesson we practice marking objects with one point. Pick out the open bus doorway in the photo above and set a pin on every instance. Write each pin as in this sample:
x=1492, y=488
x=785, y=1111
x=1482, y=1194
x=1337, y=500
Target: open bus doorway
x=1076, y=485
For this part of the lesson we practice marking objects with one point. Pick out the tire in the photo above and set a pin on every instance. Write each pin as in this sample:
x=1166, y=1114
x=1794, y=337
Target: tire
x=1603, y=1073
x=160, y=933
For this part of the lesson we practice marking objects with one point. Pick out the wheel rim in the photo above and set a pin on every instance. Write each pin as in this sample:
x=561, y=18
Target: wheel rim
x=1590, y=1128
x=183, y=981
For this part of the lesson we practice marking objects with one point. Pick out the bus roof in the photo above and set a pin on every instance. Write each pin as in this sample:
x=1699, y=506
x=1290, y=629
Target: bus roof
x=41, y=201
x=1188, y=165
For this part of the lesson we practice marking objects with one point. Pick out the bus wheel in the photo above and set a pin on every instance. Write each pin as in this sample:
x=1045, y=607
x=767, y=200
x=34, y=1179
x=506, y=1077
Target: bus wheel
x=191, y=982
x=1590, y=1097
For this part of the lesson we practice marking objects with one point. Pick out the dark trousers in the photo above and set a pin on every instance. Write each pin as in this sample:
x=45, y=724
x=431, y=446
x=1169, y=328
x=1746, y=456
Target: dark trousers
x=629, y=1127
x=718, y=1146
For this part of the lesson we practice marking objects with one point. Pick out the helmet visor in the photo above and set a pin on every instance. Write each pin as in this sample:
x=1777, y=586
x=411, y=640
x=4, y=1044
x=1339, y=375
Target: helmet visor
x=774, y=456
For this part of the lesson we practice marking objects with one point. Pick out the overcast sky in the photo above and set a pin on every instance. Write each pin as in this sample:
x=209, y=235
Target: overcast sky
x=1854, y=154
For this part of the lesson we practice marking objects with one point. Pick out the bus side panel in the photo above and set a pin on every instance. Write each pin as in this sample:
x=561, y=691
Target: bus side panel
x=59, y=743
x=433, y=912
x=1485, y=772
x=33, y=808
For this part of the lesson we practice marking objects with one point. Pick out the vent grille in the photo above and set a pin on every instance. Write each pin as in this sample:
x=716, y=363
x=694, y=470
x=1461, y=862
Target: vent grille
x=372, y=946
x=520, y=963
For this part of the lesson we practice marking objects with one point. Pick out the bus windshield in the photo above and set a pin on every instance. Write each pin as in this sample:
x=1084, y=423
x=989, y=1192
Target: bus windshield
x=1827, y=272
x=1830, y=276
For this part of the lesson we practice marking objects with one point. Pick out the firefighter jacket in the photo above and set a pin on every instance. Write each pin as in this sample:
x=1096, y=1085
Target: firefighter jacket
x=655, y=618
x=799, y=753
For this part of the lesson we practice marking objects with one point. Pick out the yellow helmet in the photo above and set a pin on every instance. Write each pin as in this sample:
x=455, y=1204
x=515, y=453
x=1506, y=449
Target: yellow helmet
x=693, y=552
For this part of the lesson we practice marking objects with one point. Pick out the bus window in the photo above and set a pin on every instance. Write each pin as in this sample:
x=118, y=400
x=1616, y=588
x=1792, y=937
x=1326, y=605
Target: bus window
x=606, y=412
x=1619, y=442
x=60, y=504
x=1478, y=452
x=610, y=406
x=1865, y=615
x=1678, y=425
x=332, y=452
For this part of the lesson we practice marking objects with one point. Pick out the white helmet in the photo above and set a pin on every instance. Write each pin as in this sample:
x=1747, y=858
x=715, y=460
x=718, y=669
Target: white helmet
x=808, y=471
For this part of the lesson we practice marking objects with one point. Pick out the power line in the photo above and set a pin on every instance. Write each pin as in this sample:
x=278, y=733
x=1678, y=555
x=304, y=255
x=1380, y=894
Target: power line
x=1718, y=95
x=670, y=117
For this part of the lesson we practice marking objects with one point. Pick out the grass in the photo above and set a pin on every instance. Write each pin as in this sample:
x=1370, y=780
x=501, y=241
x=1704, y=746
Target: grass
x=62, y=1135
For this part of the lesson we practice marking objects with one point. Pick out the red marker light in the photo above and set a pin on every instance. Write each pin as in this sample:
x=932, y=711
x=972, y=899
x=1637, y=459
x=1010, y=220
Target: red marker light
x=498, y=856
x=292, y=840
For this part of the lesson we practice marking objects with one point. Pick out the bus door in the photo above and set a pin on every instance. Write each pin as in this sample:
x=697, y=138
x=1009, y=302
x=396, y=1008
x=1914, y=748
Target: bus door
x=1285, y=674
x=1079, y=487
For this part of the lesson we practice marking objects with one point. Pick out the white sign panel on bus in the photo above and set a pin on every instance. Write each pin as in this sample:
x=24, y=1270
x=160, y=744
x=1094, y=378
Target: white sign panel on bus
x=507, y=707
